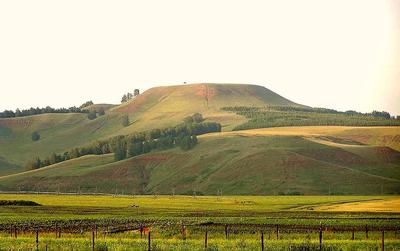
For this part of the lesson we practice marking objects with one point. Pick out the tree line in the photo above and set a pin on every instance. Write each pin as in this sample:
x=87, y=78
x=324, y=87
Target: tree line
x=247, y=109
x=123, y=146
x=37, y=110
x=277, y=116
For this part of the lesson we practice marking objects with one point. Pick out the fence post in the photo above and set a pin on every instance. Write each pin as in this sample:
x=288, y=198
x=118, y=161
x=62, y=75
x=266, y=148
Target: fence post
x=93, y=241
x=366, y=232
x=383, y=240
x=320, y=237
x=262, y=241
x=226, y=231
x=206, y=240
x=149, y=241
x=277, y=232
x=37, y=239
x=184, y=232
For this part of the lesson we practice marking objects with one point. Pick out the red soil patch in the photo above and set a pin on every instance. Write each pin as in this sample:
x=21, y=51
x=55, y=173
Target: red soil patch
x=387, y=154
x=391, y=138
x=205, y=91
x=16, y=122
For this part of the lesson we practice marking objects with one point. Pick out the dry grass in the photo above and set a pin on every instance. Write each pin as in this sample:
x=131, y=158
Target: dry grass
x=380, y=205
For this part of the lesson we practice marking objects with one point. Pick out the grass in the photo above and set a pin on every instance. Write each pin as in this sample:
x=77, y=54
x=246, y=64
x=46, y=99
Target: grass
x=178, y=210
x=156, y=108
x=299, y=160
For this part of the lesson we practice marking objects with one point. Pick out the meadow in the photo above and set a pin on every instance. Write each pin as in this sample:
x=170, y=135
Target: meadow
x=77, y=222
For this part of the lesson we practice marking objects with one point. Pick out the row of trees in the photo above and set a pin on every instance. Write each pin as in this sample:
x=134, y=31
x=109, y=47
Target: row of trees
x=35, y=111
x=182, y=135
x=262, y=117
x=246, y=109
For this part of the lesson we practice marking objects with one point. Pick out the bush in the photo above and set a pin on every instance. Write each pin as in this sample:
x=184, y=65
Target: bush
x=92, y=115
x=35, y=136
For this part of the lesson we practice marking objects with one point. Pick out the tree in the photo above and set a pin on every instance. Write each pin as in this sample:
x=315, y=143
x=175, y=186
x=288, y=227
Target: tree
x=136, y=92
x=35, y=136
x=92, y=115
x=197, y=118
x=124, y=98
x=188, y=120
x=34, y=164
x=125, y=120
x=86, y=104
x=135, y=148
x=129, y=96
x=120, y=151
x=18, y=113
x=101, y=111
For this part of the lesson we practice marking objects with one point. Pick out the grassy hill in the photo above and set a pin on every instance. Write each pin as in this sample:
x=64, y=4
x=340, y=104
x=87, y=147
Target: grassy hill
x=296, y=160
x=156, y=108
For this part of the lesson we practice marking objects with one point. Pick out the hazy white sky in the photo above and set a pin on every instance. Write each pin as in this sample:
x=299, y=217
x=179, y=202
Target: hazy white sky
x=334, y=54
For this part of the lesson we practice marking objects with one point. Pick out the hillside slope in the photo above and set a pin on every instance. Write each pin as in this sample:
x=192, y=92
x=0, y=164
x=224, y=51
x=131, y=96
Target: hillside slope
x=311, y=160
x=156, y=108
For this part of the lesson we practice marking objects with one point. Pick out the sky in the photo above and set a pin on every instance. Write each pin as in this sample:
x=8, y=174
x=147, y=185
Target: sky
x=340, y=54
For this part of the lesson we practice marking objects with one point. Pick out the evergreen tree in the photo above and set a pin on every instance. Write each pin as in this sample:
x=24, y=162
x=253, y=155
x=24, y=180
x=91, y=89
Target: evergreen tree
x=124, y=98
x=120, y=151
x=35, y=136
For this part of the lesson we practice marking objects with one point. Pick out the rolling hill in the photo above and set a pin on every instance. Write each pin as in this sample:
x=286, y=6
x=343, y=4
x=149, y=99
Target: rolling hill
x=157, y=107
x=296, y=160
x=281, y=160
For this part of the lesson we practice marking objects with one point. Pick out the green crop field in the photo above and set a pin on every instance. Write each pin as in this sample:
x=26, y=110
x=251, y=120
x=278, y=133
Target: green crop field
x=180, y=222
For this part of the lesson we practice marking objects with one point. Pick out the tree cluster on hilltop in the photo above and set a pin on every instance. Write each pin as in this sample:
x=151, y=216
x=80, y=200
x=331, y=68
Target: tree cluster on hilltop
x=128, y=96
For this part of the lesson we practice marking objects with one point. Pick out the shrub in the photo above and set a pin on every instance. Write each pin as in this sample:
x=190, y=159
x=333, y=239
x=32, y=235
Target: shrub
x=35, y=136
x=92, y=115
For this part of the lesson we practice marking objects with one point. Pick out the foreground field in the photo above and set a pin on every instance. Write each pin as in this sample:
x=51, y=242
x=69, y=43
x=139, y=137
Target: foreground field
x=77, y=222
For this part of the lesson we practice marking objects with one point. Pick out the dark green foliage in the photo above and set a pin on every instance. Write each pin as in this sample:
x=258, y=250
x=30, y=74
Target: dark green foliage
x=86, y=104
x=197, y=118
x=101, y=111
x=277, y=116
x=120, y=151
x=35, y=136
x=136, y=92
x=35, y=111
x=18, y=203
x=183, y=135
x=187, y=142
x=92, y=115
x=125, y=120
x=34, y=164
x=124, y=98
x=188, y=119
x=135, y=148
x=127, y=97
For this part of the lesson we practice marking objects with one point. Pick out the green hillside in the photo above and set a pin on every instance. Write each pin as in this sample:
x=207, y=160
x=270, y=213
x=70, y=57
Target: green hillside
x=158, y=107
x=301, y=161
